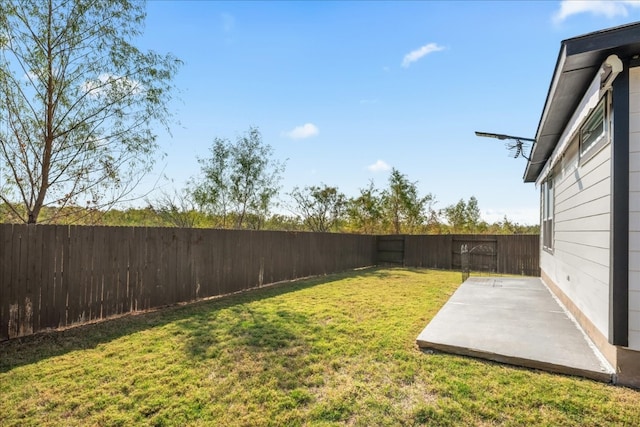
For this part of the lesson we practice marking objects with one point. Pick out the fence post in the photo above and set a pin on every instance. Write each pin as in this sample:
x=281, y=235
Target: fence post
x=464, y=261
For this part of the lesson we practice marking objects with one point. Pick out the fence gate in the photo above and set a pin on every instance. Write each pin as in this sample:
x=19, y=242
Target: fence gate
x=391, y=250
x=475, y=253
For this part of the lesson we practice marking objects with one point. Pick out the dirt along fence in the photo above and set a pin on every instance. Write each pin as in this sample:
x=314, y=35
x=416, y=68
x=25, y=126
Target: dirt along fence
x=54, y=276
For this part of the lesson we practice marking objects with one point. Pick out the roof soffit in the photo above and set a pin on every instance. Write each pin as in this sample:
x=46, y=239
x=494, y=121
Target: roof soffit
x=578, y=62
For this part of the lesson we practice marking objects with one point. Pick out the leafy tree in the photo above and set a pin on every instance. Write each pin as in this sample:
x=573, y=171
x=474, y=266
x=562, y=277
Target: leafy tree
x=239, y=181
x=463, y=217
x=212, y=189
x=78, y=102
x=320, y=207
x=403, y=208
x=365, y=211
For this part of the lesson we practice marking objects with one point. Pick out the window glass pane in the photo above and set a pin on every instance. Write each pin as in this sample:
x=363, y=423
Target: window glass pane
x=593, y=129
x=550, y=204
x=547, y=213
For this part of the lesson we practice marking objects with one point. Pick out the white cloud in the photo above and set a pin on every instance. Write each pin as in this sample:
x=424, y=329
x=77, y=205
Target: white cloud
x=228, y=22
x=379, y=166
x=30, y=76
x=414, y=55
x=523, y=216
x=307, y=130
x=606, y=8
x=106, y=82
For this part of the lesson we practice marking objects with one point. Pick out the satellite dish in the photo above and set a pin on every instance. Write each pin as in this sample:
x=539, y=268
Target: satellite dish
x=516, y=144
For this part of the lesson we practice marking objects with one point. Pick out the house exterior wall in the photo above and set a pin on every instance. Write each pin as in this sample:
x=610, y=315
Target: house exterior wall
x=579, y=264
x=634, y=208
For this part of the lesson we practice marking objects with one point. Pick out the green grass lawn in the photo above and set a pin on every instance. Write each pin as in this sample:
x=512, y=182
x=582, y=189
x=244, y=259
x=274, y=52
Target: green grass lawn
x=337, y=350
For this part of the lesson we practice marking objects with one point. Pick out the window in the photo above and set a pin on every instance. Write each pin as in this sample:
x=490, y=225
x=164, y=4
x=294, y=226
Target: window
x=547, y=214
x=594, y=133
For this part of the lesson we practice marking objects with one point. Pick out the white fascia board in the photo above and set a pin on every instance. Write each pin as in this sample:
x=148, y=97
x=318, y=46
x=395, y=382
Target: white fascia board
x=552, y=91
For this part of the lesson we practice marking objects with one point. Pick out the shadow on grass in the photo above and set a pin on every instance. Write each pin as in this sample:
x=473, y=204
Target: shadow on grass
x=193, y=318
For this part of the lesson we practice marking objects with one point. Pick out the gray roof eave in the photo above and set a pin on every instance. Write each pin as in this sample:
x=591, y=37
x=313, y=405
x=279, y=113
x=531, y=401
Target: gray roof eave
x=578, y=62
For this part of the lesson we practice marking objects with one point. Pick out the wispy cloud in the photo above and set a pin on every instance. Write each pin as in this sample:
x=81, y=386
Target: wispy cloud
x=307, y=130
x=110, y=82
x=606, y=8
x=368, y=101
x=523, y=216
x=379, y=166
x=228, y=22
x=423, y=51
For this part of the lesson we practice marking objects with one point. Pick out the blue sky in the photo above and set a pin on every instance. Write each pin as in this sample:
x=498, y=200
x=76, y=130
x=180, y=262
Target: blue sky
x=343, y=91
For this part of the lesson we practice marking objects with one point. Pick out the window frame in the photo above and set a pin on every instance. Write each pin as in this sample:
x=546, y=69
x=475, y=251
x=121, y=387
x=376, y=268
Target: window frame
x=548, y=214
x=589, y=146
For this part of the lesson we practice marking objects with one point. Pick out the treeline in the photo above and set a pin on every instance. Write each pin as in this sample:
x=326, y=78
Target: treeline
x=238, y=187
x=152, y=217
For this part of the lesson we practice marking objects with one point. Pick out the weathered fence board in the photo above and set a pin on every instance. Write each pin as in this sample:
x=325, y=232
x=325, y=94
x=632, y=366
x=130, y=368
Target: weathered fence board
x=430, y=251
x=56, y=276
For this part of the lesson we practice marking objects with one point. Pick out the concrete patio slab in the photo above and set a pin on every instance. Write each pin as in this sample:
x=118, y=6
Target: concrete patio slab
x=515, y=321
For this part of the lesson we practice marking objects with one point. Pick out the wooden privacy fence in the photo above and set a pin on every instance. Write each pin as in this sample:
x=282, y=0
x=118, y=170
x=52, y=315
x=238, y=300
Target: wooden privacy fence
x=54, y=276
x=503, y=254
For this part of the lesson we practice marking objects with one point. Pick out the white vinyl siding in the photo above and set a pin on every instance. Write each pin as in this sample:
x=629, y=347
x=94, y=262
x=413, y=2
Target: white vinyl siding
x=579, y=264
x=634, y=208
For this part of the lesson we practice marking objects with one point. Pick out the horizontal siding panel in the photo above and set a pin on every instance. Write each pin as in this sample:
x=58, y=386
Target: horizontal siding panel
x=589, y=209
x=634, y=176
x=600, y=222
x=586, y=175
x=596, y=191
x=634, y=242
x=634, y=278
x=634, y=142
x=634, y=304
x=634, y=221
x=634, y=122
x=598, y=239
x=634, y=102
x=634, y=340
x=634, y=320
x=634, y=79
x=634, y=166
x=634, y=201
x=597, y=272
x=634, y=261
x=583, y=254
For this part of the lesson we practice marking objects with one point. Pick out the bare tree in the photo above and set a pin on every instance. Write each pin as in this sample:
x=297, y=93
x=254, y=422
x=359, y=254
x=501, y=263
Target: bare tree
x=320, y=207
x=78, y=103
x=176, y=209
